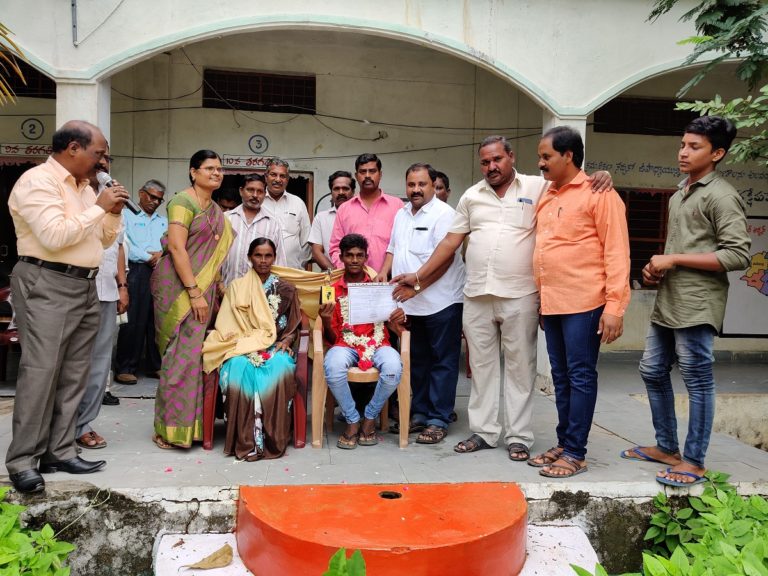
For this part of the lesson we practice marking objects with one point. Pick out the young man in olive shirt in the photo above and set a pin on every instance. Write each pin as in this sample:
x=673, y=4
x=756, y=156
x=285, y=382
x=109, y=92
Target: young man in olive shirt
x=707, y=237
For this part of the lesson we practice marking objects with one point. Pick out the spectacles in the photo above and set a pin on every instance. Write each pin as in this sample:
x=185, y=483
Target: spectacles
x=153, y=198
x=212, y=169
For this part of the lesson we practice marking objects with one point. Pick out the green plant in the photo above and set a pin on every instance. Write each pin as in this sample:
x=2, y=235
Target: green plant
x=25, y=552
x=340, y=565
x=9, y=52
x=719, y=533
x=750, y=113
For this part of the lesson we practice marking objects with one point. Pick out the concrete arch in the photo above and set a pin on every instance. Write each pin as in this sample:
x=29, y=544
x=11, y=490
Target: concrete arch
x=253, y=23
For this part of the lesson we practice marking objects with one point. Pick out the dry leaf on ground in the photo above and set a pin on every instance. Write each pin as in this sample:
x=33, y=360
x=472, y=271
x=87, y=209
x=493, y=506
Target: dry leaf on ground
x=222, y=557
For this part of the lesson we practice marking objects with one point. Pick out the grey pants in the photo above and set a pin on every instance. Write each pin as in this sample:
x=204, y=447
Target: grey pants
x=58, y=318
x=101, y=360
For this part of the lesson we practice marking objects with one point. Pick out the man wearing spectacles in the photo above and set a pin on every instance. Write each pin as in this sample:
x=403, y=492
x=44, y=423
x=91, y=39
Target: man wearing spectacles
x=143, y=232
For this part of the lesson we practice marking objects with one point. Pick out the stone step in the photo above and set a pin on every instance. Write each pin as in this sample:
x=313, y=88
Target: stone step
x=550, y=552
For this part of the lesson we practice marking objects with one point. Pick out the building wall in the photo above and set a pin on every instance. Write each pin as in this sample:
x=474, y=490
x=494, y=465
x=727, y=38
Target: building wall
x=403, y=98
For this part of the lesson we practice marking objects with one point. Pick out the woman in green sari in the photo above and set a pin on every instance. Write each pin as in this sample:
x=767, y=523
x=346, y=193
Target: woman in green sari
x=183, y=288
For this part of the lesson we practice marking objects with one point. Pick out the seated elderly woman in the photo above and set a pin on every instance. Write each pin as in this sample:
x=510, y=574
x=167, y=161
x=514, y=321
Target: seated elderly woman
x=256, y=327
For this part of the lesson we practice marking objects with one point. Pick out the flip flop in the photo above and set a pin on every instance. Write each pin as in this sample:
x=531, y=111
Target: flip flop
x=641, y=456
x=432, y=435
x=676, y=483
x=571, y=466
x=472, y=444
x=351, y=441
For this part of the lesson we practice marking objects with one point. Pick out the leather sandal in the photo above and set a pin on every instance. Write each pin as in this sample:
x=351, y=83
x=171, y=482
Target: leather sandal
x=91, y=440
x=546, y=458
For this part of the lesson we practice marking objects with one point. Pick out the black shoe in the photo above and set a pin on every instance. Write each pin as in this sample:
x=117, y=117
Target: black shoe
x=74, y=465
x=110, y=399
x=28, y=481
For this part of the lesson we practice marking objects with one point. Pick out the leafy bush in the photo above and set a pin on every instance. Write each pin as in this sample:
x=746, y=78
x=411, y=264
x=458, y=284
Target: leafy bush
x=340, y=565
x=25, y=552
x=720, y=533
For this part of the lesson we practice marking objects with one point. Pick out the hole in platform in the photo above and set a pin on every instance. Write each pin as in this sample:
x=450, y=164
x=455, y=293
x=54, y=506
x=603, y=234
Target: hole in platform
x=390, y=495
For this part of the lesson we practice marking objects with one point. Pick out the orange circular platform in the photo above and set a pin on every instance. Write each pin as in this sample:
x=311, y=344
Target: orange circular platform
x=415, y=529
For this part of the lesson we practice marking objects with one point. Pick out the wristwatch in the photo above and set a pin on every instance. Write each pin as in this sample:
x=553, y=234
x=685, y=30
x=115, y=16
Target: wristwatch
x=417, y=286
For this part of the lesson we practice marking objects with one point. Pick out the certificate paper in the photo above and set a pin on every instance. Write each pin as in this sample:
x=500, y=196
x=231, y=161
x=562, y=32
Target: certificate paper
x=370, y=302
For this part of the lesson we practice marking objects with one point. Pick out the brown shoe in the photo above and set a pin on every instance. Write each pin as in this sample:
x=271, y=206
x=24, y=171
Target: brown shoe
x=91, y=440
x=126, y=379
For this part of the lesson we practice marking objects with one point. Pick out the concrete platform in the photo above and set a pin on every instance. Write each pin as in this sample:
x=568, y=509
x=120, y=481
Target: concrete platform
x=550, y=552
x=196, y=490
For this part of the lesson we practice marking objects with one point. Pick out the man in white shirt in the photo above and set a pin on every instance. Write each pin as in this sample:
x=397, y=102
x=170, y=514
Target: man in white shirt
x=434, y=312
x=342, y=187
x=290, y=211
x=250, y=222
x=112, y=289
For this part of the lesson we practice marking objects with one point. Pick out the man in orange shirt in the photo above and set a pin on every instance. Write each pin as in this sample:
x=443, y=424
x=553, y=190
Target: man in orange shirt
x=581, y=266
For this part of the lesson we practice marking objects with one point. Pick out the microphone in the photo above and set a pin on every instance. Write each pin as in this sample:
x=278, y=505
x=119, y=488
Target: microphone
x=106, y=180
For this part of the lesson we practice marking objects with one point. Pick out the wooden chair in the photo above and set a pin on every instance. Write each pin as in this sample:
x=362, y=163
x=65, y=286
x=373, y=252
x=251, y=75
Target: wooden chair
x=323, y=403
x=211, y=394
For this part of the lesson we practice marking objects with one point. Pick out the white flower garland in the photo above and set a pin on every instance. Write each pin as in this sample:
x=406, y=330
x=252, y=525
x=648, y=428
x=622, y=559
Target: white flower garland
x=365, y=345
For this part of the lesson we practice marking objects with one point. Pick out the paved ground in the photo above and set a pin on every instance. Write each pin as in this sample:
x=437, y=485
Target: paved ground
x=622, y=419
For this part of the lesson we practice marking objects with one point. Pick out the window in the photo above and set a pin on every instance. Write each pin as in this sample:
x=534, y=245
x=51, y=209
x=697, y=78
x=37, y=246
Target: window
x=38, y=84
x=258, y=91
x=647, y=223
x=642, y=116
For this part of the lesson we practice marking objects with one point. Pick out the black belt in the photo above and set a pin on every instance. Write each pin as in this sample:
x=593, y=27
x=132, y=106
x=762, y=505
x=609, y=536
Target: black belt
x=68, y=269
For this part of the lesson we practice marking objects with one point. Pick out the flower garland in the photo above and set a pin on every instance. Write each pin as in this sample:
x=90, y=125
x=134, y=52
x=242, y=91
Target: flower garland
x=260, y=357
x=365, y=346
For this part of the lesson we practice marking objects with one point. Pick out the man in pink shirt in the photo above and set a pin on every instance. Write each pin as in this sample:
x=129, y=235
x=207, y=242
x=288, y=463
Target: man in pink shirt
x=371, y=214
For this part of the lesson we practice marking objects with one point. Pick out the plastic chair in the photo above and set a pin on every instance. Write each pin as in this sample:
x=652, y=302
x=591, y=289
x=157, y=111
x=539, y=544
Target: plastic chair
x=211, y=394
x=323, y=403
x=8, y=336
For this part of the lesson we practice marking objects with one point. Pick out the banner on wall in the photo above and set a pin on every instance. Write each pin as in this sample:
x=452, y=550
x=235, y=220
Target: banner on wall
x=746, y=314
x=16, y=154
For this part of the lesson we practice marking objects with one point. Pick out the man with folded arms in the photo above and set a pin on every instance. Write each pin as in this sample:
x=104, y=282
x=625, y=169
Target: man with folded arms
x=62, y=229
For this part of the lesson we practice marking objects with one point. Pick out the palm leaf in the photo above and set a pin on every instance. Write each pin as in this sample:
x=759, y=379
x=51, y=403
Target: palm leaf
x=9, y=52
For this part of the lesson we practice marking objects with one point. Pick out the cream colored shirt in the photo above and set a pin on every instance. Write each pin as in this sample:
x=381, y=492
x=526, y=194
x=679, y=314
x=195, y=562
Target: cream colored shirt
x=294, y=221
x=56, y=218
x=502, y=237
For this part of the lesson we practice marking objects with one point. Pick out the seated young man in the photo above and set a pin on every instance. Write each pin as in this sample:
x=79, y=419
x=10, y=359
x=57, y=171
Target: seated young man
x=364, y=345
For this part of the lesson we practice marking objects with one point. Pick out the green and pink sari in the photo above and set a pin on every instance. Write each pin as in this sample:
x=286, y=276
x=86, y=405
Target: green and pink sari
x=179, y=398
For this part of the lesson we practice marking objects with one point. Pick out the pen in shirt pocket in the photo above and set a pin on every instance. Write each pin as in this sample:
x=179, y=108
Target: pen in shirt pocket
x=421, y=228
x=525, y=200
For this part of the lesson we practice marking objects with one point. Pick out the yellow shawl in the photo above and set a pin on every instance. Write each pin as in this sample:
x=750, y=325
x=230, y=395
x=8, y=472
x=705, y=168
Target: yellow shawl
x=244, y=323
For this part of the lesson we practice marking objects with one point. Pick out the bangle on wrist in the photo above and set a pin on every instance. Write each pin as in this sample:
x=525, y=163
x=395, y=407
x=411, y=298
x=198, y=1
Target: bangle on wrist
x=196, y=297
x=190, y=287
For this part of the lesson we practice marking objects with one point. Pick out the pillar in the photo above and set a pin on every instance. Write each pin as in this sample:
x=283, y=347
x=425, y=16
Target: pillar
x=89, y=101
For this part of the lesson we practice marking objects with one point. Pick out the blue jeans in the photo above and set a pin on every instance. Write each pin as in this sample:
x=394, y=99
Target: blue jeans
x=435, y=352
x=691, y=348
x=573, y=345
x=340, y=358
